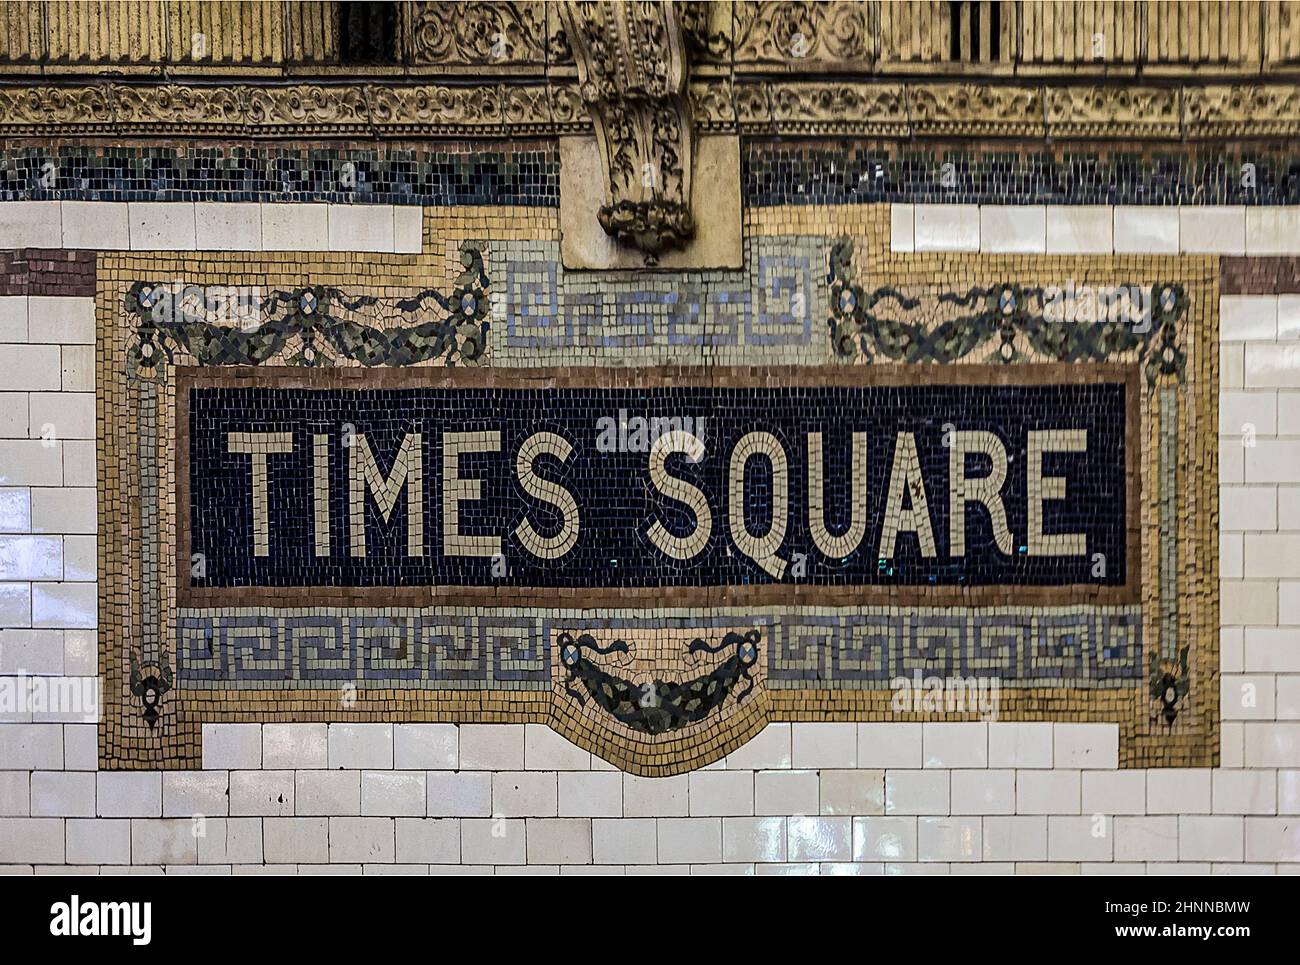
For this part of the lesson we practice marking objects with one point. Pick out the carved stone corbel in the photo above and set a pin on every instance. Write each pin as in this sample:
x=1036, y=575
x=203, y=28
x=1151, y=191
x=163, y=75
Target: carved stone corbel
x=632, y=75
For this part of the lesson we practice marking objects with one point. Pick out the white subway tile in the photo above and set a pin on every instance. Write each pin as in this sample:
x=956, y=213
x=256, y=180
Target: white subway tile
x=428, y=840
x=825, y=744
x=360, y=227
x=128, y=794
x=1020, y=744
x=227, y=226
x=1085, y=838
x=1210, y=838
x=360, y=745
x=295, y=745
x=902, y=234
x=56, y=794
x=31, y=224
x=956, y=744
x=1086, y=746
x=1048, y=792
x=561, y=841
x=889, y=745
x=818, y=838
x=1178, y=790
x=96, y=225
x=161, y=225
x=770, y=749
x=326, y=793
x=29, y=558
x=624, y=841
x=594, y=794
x=947, y=227
x=655, y=796
x=458, y=794
x=1272, y=839
x=1272, y=230
x=977, y=791
x=492, y=747
x=61, y=319
x=230, y=746
x=430, y=747
x=1114, y=792
x=749, y=839
x=13, y=318
x=916, y=792
x=30, y=368
x=787, y=792
x=856, y=791
x=66, y=509
x=545, y=750
x=189, y=793
x=1146, y=229
x=949, y=839
x=393, y=793
x=99, y=841
x=1015, y=838
x=408, y=229
x=295, y=227
x=362, y=839
x=296, y=840
x=525, y=794
x=1079, y=229
x=1146, y=838
x=1013, y=228
x=67, y=605
x=1244, y=792
x=714, y=793
x=31, y=840
x=1212, y=229
x=689, y=840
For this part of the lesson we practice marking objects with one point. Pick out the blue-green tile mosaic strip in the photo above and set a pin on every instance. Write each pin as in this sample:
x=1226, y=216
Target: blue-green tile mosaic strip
x=443, y=175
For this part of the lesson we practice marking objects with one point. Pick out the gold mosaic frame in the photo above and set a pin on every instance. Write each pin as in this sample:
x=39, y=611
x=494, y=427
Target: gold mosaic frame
x=126, y=741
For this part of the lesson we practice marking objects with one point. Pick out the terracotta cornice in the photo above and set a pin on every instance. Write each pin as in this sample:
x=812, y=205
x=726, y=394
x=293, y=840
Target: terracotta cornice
x=501, y=109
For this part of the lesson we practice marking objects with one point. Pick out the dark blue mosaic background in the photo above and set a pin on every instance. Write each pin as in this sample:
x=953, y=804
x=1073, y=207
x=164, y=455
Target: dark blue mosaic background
x=616, y=500
x=773, y=172
x=381, y=175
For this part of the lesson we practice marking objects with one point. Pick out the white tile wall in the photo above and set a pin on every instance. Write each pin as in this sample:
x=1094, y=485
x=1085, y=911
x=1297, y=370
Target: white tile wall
x=210, y=226
x=803, y=797
x=1095, y=229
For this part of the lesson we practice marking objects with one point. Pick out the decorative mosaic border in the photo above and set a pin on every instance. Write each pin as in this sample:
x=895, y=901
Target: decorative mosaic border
x=773, y=172
x=851, y=648
x=1178, y=603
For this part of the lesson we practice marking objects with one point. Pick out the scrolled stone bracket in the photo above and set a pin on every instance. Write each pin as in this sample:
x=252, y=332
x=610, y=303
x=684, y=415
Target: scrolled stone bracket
x=632, y=77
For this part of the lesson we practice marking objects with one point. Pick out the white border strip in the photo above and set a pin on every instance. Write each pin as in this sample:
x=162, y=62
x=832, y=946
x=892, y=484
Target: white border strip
x=210, y=226
x=1096, y=229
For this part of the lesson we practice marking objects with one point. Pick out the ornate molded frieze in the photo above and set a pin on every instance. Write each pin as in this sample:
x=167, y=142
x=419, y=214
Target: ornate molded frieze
x=632, y=75
x=1114, y=111
x=512, y=106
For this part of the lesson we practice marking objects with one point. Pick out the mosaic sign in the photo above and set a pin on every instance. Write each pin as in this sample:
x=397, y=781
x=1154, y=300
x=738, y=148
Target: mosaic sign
x=657, y=511
x=854, y=483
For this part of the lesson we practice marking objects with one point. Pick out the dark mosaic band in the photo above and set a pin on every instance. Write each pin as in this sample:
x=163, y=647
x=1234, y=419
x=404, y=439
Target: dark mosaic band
x=777, y=172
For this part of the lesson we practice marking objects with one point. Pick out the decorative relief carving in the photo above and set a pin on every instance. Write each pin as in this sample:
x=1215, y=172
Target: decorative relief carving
x=974, y=109
x=477, y=34
x=817, y=108
x=535, y=106
x=802, y=36
x=1114, y=111
x=632, y=76
x=1232, y=109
